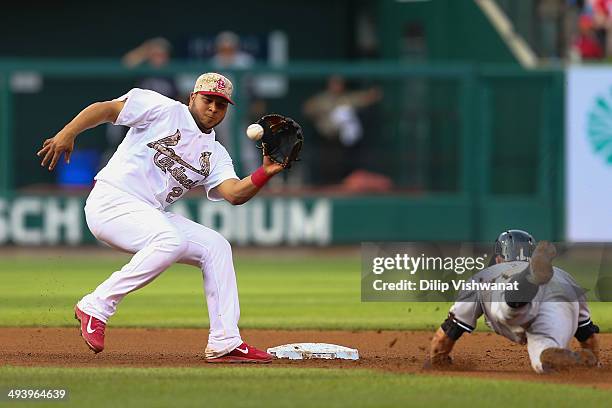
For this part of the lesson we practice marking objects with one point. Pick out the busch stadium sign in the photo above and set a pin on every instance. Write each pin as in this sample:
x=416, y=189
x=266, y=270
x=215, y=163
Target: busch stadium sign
x=35, y=220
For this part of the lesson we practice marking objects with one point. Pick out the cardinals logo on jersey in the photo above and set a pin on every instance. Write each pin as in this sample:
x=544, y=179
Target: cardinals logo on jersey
x=170, y=162
x=205, y=162
x=171, y=140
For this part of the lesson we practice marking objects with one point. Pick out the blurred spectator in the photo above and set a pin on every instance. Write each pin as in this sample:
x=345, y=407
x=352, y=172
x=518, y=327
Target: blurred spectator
x=573, y=9
x=156, y=53
x=587, y=46
x=362, y=181
x=334, y=111
x=549, y=17
x=228, y=55
x=335, y=117
x=602, y=19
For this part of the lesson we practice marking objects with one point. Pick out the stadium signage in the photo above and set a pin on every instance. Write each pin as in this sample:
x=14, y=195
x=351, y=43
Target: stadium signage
x=33, y=220
x=40, y=221
x=589, y=154
x=265, y=222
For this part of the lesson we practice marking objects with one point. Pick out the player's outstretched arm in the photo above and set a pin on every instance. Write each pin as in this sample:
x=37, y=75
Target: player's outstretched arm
x=439, y=350
x=238, y=192
x=63, y=142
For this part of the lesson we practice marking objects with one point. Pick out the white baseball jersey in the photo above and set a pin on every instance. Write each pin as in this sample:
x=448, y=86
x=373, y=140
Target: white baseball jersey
x=164, y=154
x=162, y=157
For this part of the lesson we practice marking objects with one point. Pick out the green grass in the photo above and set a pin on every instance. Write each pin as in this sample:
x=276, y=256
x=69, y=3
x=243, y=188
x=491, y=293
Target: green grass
x=287, y=293
x=294, y=293
x=285, y=387
x=313, y=292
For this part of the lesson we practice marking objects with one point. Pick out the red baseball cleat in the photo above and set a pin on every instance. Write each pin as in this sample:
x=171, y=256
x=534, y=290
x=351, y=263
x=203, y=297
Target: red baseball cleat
x=92, y=330
x=243, y=354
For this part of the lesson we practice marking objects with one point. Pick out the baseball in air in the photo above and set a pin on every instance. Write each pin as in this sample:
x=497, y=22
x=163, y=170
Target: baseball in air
x=255, y=132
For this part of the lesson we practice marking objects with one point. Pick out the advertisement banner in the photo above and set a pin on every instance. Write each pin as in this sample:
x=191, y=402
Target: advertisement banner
x=35, y=220
x=589, y=155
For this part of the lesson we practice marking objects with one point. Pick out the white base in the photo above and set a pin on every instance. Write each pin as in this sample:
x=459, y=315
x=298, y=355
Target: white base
x=306, y=351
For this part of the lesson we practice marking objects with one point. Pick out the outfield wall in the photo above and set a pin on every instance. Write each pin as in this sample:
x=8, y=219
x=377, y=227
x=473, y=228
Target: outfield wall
x=318, y=221
x=471, y=149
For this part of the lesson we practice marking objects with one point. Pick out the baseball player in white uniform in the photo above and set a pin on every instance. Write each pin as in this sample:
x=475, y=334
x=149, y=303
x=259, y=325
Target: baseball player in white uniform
x=546, y=311
x=169, y=149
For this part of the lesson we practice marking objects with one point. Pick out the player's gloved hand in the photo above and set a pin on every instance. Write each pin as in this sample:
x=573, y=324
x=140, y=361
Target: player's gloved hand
x=281, y=142
x=53, y=148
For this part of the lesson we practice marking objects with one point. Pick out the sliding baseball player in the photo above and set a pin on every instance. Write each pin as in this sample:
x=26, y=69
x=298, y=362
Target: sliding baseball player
x=546, y=311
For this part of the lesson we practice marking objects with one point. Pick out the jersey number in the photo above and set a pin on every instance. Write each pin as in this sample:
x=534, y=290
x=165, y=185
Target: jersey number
x=175, y=193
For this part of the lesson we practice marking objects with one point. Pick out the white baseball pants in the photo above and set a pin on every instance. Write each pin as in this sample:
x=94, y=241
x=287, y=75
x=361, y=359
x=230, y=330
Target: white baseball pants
x=554, y=325
x=158, y=239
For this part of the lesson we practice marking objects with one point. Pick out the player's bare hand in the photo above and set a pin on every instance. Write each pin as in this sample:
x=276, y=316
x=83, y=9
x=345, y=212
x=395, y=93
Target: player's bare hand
x=438, y=362
x=592, y=343
x=270, y=167
x=53, y=148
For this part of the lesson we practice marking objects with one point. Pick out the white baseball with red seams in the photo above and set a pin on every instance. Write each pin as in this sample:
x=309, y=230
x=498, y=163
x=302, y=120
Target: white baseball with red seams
x=163, y=156
x=255, y=132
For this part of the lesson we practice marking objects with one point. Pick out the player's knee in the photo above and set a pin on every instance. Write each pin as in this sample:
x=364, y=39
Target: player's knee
x=173, y=243
x=220, y=245
x=179, y=246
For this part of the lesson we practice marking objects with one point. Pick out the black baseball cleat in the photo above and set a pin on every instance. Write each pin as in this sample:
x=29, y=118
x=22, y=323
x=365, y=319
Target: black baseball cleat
x=541, y=263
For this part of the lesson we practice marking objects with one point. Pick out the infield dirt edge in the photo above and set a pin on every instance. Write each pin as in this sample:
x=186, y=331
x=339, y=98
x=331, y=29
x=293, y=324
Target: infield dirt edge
x=479, y=355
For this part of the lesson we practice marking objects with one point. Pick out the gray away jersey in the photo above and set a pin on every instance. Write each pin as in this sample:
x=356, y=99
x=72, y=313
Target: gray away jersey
x=471, y=304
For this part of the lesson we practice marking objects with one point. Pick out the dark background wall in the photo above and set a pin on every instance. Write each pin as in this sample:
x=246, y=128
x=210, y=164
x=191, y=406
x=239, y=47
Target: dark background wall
x=318, y=29
x=420, y=115
x=439, y=30
x=430, y=134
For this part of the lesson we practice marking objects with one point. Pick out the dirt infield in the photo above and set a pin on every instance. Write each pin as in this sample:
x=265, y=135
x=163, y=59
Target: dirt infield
x=478, y=355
